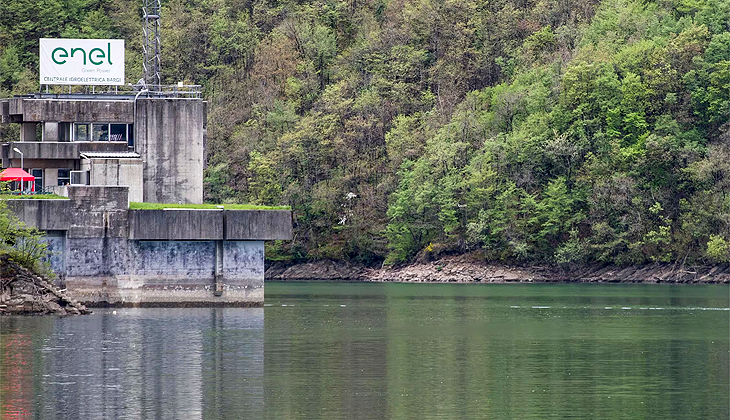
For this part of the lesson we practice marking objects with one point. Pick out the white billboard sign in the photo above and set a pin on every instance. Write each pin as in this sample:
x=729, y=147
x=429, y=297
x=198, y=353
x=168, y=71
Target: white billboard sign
x=82, y=61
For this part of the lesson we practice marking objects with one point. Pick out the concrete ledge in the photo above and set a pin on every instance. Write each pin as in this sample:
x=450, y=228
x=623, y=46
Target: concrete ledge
x=97, y=197
x=155, y=296
x=176, y=224
x=43, y=214
x=258, y=224
x=37, y=110
x=102, y=146
x=44, y=150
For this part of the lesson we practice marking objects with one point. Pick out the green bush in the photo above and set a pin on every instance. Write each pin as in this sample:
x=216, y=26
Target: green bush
x=718, y=249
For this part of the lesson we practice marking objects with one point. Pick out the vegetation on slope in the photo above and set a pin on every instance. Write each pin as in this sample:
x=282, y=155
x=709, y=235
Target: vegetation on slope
x=534, y=131
x=21, y=244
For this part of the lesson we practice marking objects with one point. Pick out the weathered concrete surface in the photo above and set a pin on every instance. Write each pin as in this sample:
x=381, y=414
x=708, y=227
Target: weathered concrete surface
x=44, y=150
x=107, y=254
x=102, y=146
x=258, y=224
x=169, y=136
x=116, y=172
x=142, y=273
x=66, y=110
x=50, y=131
x=97, y=212
x=43, y=214
x=35, y=150
x=176, y=224
x=5, y=111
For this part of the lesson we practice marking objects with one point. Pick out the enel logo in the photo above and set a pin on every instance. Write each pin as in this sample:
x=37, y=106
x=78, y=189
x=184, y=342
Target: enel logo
x=96, y=56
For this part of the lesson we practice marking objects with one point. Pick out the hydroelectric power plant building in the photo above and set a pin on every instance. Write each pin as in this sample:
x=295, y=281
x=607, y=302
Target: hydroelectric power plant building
x=103, y=151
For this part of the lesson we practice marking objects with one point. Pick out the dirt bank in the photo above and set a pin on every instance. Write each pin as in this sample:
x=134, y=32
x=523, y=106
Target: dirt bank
x=23, y=292
x=467, y=269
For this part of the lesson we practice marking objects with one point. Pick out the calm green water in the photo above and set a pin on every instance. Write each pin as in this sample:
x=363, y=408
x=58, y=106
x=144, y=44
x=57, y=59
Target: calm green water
x=370, y=351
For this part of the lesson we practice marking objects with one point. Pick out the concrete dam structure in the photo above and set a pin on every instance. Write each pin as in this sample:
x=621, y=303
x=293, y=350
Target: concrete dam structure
x=103, y=152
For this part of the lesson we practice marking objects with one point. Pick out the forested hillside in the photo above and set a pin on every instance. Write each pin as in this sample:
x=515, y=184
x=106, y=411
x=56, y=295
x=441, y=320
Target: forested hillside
x=530, y=130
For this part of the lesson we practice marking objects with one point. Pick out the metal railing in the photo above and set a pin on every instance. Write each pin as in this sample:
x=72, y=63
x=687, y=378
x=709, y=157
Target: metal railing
x=141, y=89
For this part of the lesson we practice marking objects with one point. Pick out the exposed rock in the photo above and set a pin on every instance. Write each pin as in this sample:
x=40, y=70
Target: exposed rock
x=467, y=269
x=319, y=270
x=23, y=292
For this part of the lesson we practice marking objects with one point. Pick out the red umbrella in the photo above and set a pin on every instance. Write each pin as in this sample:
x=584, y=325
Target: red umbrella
x=17, y=174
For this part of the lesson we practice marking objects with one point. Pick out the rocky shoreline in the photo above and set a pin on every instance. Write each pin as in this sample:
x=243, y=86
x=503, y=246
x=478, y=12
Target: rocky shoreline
x=23, y=292
x=466, y=269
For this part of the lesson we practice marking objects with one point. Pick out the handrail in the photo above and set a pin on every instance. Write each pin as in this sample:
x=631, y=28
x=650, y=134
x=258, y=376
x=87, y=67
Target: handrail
x=152, y=91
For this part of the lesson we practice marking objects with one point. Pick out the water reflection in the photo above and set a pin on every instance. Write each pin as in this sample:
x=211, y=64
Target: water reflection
x=139, y=363
x=453, y=351
x=371, y=351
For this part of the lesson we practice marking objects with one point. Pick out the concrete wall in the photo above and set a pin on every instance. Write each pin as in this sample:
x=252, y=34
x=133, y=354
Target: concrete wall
x=59, y=110
x=44, y=150
x=122, y=172
x=28, y=132
x=176, y=224
x=50, y=131
x=169, y=273
x=169, y=136
x=96, y=211
x=259, y=224
x=106, y=253
x=43, y=214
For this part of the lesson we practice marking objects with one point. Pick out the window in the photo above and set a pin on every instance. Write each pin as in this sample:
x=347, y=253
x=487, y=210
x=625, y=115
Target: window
x=103, y=132
x=100, y=132
x=38, y=174
x=64, y=176
x=118, y=132
x=130, y=138
x=65, y=131
x=82, y=132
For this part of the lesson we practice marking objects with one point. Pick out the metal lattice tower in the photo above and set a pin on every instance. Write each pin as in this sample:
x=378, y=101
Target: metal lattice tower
x=151, y=45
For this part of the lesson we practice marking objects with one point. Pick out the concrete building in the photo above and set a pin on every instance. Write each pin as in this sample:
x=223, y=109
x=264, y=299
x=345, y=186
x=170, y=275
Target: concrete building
x=101, y=152
x=151, y=144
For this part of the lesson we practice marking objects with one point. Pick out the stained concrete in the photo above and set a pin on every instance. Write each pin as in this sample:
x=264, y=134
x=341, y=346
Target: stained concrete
x=43, y=214
x=176, y=224
x=107, y=254
x=118, y=272
x=259, y=224
x=169, y=136
x=44, y=150
x=65, y=110
x=111, y=172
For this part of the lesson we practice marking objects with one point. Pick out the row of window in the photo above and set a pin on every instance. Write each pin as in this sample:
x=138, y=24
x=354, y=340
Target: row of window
x=64, y=177
x=97, y=132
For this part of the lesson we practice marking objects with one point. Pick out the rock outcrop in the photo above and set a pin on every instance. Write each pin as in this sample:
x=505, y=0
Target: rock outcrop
x=23, y=292
x=466, y=269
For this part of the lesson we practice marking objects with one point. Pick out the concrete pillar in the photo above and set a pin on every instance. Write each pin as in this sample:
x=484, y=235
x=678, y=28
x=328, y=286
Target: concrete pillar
x=50, y=131
x=50, y=178
x=168, y=133
x=218, y=268
x=27, y=132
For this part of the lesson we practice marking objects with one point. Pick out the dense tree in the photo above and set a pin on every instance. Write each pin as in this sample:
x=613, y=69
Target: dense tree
x=553, y=131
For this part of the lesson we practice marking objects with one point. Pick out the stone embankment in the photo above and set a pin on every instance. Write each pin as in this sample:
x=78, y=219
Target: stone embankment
x=22, y=292
x=466, y=269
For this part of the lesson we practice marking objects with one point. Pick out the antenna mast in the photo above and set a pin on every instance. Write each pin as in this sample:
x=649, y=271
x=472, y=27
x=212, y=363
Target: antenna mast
x=151, y=46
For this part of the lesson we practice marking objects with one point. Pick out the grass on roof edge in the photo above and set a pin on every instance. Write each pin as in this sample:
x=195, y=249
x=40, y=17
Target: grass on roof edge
x=160, y=206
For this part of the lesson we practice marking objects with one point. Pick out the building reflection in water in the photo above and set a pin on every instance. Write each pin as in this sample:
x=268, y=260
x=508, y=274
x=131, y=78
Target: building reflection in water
x=137, y=363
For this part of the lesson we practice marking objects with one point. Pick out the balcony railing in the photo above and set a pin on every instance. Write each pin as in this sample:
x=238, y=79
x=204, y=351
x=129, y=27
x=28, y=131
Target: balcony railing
x=143, y=90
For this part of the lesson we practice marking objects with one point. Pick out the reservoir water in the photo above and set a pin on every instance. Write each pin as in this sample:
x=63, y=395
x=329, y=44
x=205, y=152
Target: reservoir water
x=376, y=351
